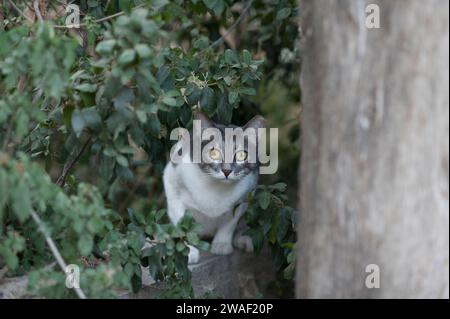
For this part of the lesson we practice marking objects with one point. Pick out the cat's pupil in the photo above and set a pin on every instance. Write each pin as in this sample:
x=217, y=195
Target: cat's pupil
x=241, y=156
x=214, y=154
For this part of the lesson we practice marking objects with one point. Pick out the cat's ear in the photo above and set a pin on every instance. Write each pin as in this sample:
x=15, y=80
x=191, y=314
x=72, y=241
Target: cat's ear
x=256, y=122
x=205, y=120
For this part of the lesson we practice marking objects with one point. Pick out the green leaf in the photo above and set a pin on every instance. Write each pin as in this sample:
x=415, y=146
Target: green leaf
x=87, y=117
x=4, y=196
x=143, y=51
x=95, y=225
x=106, y=46
x=264, y=200
x=170, y=244
x=227, y=79
x=257, y=238
x=281, y=187
x=127, y=57
x=85, y=245
x=192, y=238
x=247, y=56
x=125, y=97
x=247, y=91
x=125, y=5
x=86, y=87
x=142, y=116
x=289, y=271
x=194, y=96
x=180, y=246
x=230, y=57
x=283, y=13
x=217, y=6
x=78, y=122
x=207, y=100
x=154, y=124
x=139, y=217
x=170, y=101
x=233, y=97
x=122, y=160
x=11, y=259
x=21, y=201
x=283, y=225
x=203, y=245
x=136, y=283
x=224, y=109
x=158, y=4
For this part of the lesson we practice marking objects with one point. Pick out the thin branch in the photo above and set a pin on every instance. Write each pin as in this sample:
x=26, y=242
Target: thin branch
x=51, y=244
x=20, y=11
x=112, y=16
x=61, y=181
x=233, y=26
x=37, y=11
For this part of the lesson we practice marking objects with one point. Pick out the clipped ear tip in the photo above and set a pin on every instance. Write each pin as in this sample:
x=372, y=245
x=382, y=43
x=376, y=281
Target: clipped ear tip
x=261, y=120
x=205, y=120
x=256, y=122
x=199, y=115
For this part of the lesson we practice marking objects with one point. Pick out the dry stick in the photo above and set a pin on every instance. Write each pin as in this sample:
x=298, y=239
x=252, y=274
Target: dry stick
x=112, y=16
x=233, y=26
x=60, y=182
x=37, y=11
x=54, y=250
x=69, y=164
x=96, y=21
x=20, y=11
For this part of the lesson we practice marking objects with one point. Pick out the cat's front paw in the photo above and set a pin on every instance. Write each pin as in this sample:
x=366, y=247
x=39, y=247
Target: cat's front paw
x=194, y=255
x=221, y=248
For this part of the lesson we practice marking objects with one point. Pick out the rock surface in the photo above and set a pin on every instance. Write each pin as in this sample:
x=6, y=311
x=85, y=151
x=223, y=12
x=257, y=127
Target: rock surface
x=239, y=275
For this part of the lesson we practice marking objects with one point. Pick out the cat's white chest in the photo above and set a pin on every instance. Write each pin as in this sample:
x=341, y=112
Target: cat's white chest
x=207, y=195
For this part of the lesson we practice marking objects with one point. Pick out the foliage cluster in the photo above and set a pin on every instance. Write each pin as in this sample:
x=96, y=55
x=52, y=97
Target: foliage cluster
x=85, y=116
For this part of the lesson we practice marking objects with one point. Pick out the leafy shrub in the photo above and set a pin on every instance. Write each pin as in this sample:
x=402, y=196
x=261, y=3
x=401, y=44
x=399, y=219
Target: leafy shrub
x=95, y=107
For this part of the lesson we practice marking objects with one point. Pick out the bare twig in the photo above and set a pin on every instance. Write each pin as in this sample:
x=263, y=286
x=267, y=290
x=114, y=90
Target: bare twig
x=71, y=162
x=112, y=16
x=37, y=11
x=233, y=26
x=20, y=11
x=54, y=250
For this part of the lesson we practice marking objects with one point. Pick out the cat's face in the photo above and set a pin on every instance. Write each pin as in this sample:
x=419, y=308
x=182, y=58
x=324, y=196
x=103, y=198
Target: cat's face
x=243, y=152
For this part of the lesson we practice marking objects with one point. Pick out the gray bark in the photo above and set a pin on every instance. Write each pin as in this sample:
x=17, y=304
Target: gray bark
x=375, y=150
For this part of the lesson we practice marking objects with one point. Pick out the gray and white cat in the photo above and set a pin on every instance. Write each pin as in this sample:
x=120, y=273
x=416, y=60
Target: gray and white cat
x=212, y=189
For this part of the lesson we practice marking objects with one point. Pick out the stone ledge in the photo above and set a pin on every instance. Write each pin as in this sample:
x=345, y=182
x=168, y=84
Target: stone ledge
x=239, y=275
x=14, y=288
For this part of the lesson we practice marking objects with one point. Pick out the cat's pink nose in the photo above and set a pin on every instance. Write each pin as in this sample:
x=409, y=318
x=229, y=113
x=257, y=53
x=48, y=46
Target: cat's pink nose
x=226, y=172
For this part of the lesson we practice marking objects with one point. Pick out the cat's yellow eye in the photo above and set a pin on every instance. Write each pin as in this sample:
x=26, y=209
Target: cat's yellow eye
x=241, y=156
x=214, y=154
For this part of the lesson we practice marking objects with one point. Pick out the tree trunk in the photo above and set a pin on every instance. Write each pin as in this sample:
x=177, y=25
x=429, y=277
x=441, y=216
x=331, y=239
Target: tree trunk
x=375, y=150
